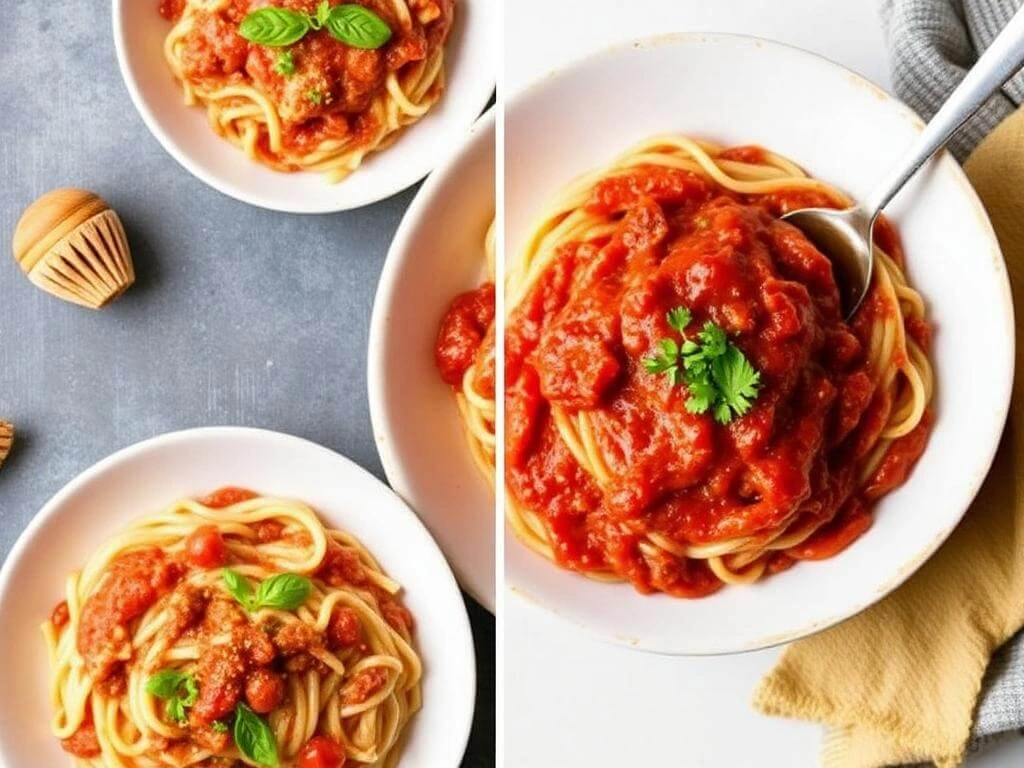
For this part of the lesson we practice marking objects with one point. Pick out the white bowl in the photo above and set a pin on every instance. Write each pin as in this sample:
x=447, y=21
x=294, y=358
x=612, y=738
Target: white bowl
x=437, y=254
x=843, y=129
x=471, y=66
x=143, y=479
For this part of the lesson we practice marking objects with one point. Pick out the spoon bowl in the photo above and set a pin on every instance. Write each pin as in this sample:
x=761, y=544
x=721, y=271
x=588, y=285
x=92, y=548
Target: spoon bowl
x=845, y=237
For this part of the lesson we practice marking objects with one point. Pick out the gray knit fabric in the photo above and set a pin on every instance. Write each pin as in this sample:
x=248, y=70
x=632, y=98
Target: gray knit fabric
x=932, y=44
x=1001, y=710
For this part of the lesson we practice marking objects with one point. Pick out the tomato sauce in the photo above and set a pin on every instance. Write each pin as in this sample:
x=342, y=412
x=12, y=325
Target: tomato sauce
x=466, y=338
x=240, y=659
x=133, y=582
x=577, y=340
x=83, y=743
x=227, y=497
x=330, y=93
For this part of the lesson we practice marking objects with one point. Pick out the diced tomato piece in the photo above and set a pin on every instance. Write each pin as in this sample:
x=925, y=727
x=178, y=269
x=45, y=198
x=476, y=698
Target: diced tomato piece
x=264, y=690
x=322, y=752
x=205, y=547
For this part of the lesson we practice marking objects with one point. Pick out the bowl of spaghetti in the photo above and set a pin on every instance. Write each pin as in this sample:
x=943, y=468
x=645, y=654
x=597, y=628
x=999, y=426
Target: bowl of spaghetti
x=307, y=107
x=232, y=596
x=431, y=360
x=703, y=455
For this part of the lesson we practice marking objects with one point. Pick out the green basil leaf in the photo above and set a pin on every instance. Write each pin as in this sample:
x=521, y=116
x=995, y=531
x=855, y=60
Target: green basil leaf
x=191, y=691
x=176, y=711
x=254, y=737
x=274, y=26
x=358, y=26
x=178, y=689
x=285, y=591
x=239, y=588
x=219, y=726
x=164, y=684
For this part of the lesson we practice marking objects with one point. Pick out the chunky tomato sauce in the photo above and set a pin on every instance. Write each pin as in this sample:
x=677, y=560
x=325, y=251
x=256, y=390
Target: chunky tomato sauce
x=251, y=667
x=330, y=92
x=577, y=341
x=466, y=338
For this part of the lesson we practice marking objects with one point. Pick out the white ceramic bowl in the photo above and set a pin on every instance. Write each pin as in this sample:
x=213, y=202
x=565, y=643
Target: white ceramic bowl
x=144, y=478
x=437, y=253
x=841, y=128
x=471, y=67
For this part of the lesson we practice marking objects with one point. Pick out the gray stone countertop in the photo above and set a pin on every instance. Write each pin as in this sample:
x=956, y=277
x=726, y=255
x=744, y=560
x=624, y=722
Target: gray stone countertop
x=239, y=316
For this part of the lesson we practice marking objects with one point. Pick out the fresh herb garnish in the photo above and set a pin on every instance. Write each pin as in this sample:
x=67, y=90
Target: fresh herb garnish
x=285, y=591
x=254, y=737
x=275, y=27
x=358, y=26
x=679, y=318
x=285, y=64
x=323, y=12
x=219, y=726
x=719, y=376
x=178, y=689
x=315, y=97
x=352, y=24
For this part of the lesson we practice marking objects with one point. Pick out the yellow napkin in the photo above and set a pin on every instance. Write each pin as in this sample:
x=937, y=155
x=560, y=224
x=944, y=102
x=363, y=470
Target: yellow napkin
x=899, y=682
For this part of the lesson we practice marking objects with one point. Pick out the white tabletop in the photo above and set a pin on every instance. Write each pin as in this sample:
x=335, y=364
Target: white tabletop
x=571, y=701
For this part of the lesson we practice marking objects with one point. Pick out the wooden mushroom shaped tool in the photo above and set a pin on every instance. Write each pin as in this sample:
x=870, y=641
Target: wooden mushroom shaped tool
x=6, y=439
x=72, y=244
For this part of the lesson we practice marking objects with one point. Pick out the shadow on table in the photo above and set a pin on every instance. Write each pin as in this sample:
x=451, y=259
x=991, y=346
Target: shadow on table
x=480, y=753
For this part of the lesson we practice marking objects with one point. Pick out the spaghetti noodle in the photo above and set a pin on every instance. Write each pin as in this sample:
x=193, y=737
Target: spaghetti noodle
x=609, y=473
x=465, y=359
x=167, y=653
x=318, y=104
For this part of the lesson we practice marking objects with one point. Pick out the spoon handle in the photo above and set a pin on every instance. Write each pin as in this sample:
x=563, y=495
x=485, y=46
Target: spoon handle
x=997, y=64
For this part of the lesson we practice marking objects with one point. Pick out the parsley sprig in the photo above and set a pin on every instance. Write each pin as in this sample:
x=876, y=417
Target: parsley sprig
x=719, y=376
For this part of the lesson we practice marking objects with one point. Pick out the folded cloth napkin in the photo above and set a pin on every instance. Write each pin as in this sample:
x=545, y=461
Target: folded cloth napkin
x=932, y=44
x=900, y=682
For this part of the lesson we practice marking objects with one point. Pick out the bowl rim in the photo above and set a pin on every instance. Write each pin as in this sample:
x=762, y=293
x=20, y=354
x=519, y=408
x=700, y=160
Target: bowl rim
x=537, y=604
x=308, y=205
x=59, y=500
x=380, y=416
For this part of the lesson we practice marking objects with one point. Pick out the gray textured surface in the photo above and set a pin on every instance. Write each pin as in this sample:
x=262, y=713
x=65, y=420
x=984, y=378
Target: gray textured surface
x=932, y=45
x=239, y=316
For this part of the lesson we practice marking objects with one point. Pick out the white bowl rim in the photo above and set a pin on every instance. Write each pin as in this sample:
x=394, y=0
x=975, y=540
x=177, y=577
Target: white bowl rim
x=415, y=173
x=1007, y=366
x=461, y=636
x=376, y=363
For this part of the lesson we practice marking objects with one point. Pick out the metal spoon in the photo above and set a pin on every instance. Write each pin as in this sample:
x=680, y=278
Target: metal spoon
x=845, y=237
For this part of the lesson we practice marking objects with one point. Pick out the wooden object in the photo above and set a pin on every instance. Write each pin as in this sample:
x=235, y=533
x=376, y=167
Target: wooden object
x=72, y=244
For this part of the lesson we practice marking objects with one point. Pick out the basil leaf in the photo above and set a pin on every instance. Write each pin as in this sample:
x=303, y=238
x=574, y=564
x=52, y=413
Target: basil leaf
x=176, y=711
x=358, y=26
x=285, y=591
x=274, y=26
x=219, y=726
x=254, y=737
x=178, y=689
x=191, y=691
x=239, y=587
x=164, y=684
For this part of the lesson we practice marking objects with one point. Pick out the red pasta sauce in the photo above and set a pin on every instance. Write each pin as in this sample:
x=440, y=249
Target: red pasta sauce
x=333, y=85
x=577, y=341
